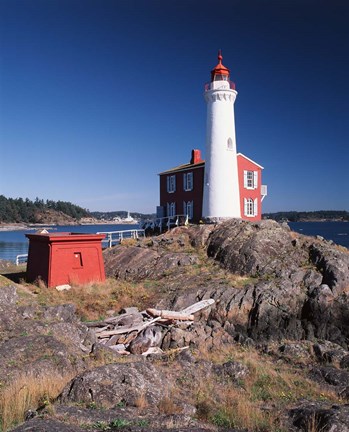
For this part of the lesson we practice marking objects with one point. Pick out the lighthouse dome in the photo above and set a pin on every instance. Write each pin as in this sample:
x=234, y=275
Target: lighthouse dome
x=220, y=72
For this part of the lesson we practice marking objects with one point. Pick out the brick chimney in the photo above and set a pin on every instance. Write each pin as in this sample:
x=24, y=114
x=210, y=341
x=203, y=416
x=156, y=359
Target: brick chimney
x=195, y=156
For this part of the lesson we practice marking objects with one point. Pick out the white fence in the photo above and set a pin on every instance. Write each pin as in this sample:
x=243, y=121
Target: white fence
x=21, y=259
x=167, y=222
x=116, y=237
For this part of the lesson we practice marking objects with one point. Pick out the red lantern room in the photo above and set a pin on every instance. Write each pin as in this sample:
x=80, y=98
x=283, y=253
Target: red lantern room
x=220, y=72
x=65, y=258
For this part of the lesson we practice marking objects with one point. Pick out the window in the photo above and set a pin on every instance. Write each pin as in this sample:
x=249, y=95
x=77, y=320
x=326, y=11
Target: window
x=171, y=183
x=188, y=209
x=230, y=144
x=171, y=209
x=250, y=207
x=250, y=179
x=188, y=181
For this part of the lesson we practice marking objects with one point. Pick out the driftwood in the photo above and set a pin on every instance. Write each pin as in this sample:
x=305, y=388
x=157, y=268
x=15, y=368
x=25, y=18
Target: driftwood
x=196, y=307
x=140, y=332
x=170, y=315
x=122, y=330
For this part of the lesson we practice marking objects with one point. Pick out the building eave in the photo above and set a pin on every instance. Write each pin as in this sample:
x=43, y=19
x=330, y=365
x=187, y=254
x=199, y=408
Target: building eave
x=255, y=163
x=185, y=167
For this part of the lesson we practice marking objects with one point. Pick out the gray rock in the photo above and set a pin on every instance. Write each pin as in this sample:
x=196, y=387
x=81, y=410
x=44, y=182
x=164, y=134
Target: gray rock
x=255, y=249
x=8, y=296
x=129, y=263
x=295, y=350
x=137, y=263
x=329, y=352
x=320, y=417
x=333, y=264
x=232, y=369
x=116, y=383
x=37, y=355
x=65, y=313
x=332, y=376
x=39, y=424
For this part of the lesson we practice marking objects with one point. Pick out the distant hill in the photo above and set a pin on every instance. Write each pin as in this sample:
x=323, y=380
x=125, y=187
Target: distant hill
x=109, y=216
x=320, y=215
x=18, y=210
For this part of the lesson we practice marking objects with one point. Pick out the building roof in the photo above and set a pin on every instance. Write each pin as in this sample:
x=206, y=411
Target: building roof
x=184, y=167
x=189, y=166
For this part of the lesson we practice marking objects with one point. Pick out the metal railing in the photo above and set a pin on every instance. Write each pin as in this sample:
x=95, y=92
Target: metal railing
x=21, y=259
x=208, y=85
x=167, y=222
x=116, y=237
x=264, y=191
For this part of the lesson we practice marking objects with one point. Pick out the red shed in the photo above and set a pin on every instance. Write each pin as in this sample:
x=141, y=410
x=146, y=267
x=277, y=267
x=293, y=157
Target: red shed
x=65, y=258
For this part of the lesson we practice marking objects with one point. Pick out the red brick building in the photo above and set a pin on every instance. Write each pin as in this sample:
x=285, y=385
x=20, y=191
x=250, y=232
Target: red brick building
x=181, y=189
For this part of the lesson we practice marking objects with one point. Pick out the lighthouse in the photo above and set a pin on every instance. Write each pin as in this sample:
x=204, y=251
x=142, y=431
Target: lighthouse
x=221, y=199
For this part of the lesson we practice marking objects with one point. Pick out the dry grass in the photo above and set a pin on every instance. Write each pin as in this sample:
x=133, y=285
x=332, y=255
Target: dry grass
x=28, y=392
x=246, y=403
x=168, y=406
x=95, y=301
x=141, y=402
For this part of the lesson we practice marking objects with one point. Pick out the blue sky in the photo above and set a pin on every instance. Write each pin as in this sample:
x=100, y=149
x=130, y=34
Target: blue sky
x=98, y=96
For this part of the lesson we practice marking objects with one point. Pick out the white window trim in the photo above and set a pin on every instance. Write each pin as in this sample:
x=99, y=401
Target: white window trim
x=171, y=209
x=256, y=206
x=254, y=179
x=171, y=183
x=188, y=209
x=188, y=181
x=250, y=207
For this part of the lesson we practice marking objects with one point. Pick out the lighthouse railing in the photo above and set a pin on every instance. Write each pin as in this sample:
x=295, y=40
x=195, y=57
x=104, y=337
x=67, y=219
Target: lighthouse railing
x=231, y=85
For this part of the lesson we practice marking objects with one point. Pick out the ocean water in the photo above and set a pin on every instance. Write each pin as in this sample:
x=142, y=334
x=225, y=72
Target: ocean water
x=336, y=231
x=13, y=243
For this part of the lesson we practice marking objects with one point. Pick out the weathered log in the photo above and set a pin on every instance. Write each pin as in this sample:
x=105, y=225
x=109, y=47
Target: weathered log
x=167, y=314
x=196, y=307
x=95, y=323
x=123, y=330
x=125, y=319
x=101, y=329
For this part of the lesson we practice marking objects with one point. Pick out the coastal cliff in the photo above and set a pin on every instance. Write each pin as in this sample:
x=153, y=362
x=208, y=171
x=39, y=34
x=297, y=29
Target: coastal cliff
x=269, y=354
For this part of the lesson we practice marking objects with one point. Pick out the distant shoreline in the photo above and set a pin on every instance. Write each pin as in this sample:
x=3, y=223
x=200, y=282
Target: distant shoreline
x=21, y=226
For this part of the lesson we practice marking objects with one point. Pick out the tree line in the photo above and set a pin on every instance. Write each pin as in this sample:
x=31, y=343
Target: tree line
x=295, y=216
x=24, y=210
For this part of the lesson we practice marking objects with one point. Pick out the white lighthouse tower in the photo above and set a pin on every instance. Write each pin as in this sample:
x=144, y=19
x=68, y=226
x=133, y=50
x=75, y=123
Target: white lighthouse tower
x=221, y=184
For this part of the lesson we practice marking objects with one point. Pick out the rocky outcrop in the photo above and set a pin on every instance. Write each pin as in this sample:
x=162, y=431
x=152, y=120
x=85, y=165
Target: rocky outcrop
x=298, y=287
x=39, y=340
x=280, y=295
x=258, y=249
x=135, y=263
